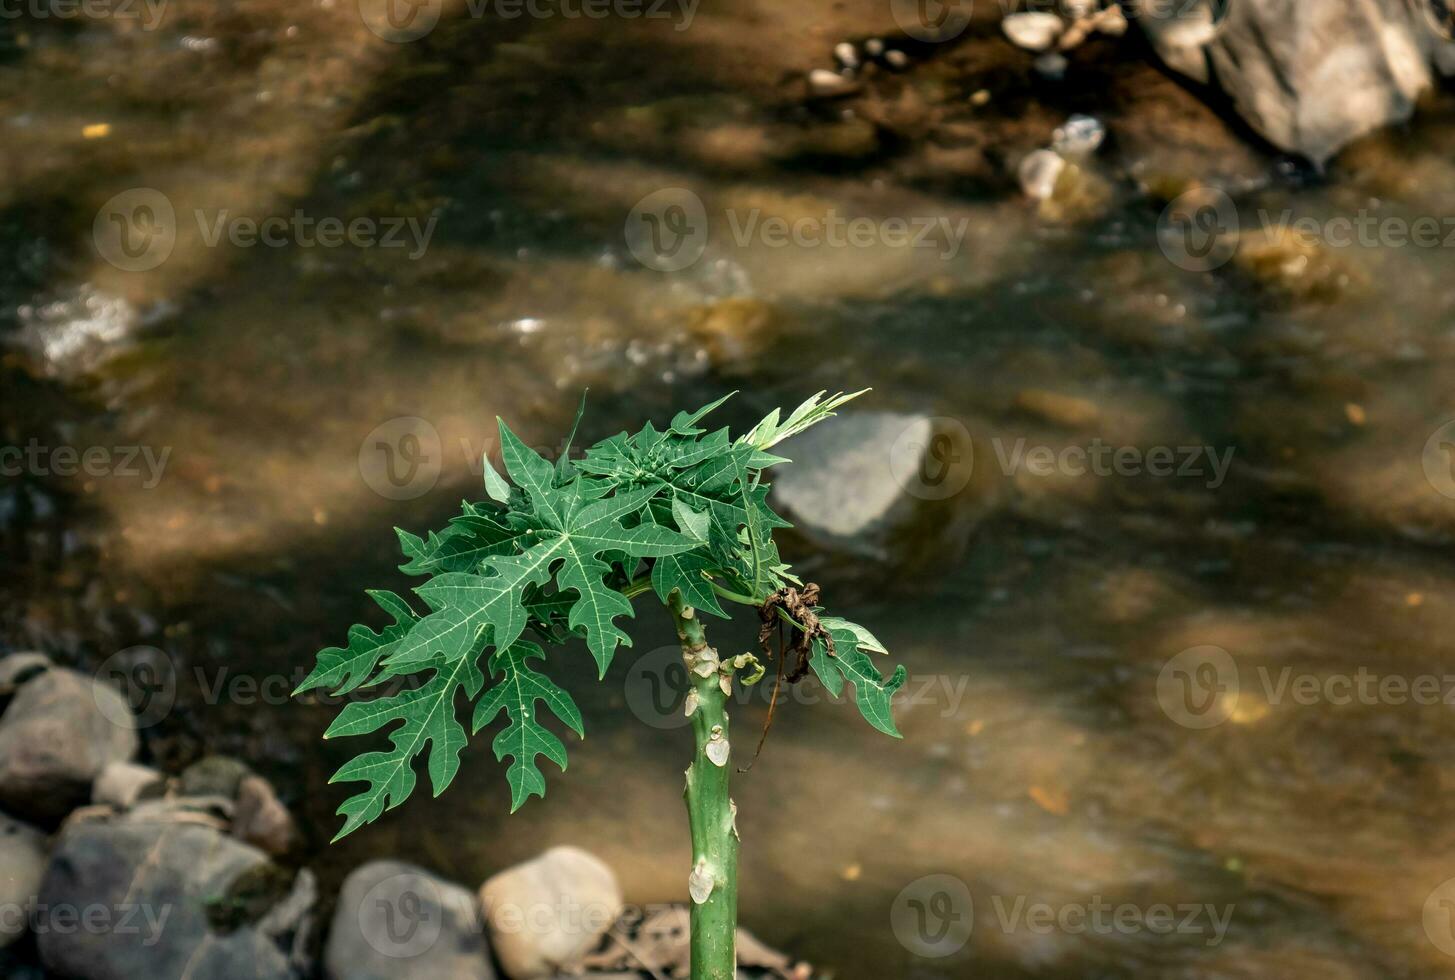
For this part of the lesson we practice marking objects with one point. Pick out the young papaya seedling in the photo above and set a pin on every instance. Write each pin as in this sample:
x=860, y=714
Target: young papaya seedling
x=559, y=552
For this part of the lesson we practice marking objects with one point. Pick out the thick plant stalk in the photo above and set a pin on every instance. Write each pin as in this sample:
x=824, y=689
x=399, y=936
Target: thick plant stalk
x=713, y=880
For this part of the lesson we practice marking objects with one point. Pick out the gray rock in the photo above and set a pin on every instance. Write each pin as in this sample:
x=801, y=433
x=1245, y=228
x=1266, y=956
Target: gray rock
x=121, y=784
x=59, y=732
x=1079, y=136
x=260, y=819
x=17, y=668
x=22, y=863
x=1052, y=65
x=394, y=920
x=213, y=775
x=1309, y=77
x=156, y=897
x=886, y=485
x=547, y=913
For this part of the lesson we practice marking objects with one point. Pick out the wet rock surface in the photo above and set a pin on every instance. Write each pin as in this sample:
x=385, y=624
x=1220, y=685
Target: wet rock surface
x=22, y=863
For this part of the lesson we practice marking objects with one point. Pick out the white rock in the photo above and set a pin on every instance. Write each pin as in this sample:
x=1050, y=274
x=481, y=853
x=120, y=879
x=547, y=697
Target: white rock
x=1078, y=136
x=1034, y=31
x=399, y=921
x=830, y=84
x=846, y=55
x=1038, y=173
x=896, y=59
x=874, y=47
x=546, y=914
x=122, y=783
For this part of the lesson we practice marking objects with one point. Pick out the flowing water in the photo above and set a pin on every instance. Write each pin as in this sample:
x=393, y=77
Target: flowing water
x=1307, y=835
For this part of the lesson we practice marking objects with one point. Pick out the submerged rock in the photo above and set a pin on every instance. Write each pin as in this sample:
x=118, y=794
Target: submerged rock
x=61, y=730
x=396, y=920
x=890, y=486
x=545, y=915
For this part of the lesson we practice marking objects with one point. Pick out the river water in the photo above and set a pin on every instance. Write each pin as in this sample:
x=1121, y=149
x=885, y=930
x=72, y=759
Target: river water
x=1044, y=776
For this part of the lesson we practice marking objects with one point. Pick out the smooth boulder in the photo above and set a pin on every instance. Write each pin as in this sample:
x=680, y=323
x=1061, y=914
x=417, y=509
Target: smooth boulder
x=168, y=894
x=545, y=915
x=60, y=731
x=395, y=920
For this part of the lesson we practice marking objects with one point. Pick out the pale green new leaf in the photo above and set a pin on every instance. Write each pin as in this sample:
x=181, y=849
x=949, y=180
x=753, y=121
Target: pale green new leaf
x=872, y=693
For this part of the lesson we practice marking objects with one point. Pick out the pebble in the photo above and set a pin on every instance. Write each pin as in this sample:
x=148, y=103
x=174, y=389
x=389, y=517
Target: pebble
x=1052, y=65
x=1079, y=135
x=1035, y=31
x=830, y=84
x=1038, y=173
x=897, y=60
x=846, y=55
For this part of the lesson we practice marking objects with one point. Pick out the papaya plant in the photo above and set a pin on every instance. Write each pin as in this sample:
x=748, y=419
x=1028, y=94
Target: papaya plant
x=558, y=553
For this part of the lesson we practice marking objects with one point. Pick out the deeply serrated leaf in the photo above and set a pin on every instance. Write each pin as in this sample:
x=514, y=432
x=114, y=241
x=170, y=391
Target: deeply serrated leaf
x=524, y=739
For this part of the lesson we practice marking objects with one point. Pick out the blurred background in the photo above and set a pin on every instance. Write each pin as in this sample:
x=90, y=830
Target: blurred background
x=1153, y=493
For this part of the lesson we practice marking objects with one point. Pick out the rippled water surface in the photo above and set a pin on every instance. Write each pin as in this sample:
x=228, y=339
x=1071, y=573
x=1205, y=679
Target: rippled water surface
x=1038, y=763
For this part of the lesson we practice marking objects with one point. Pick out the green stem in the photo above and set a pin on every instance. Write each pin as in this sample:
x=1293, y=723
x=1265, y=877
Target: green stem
x=710, y=811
